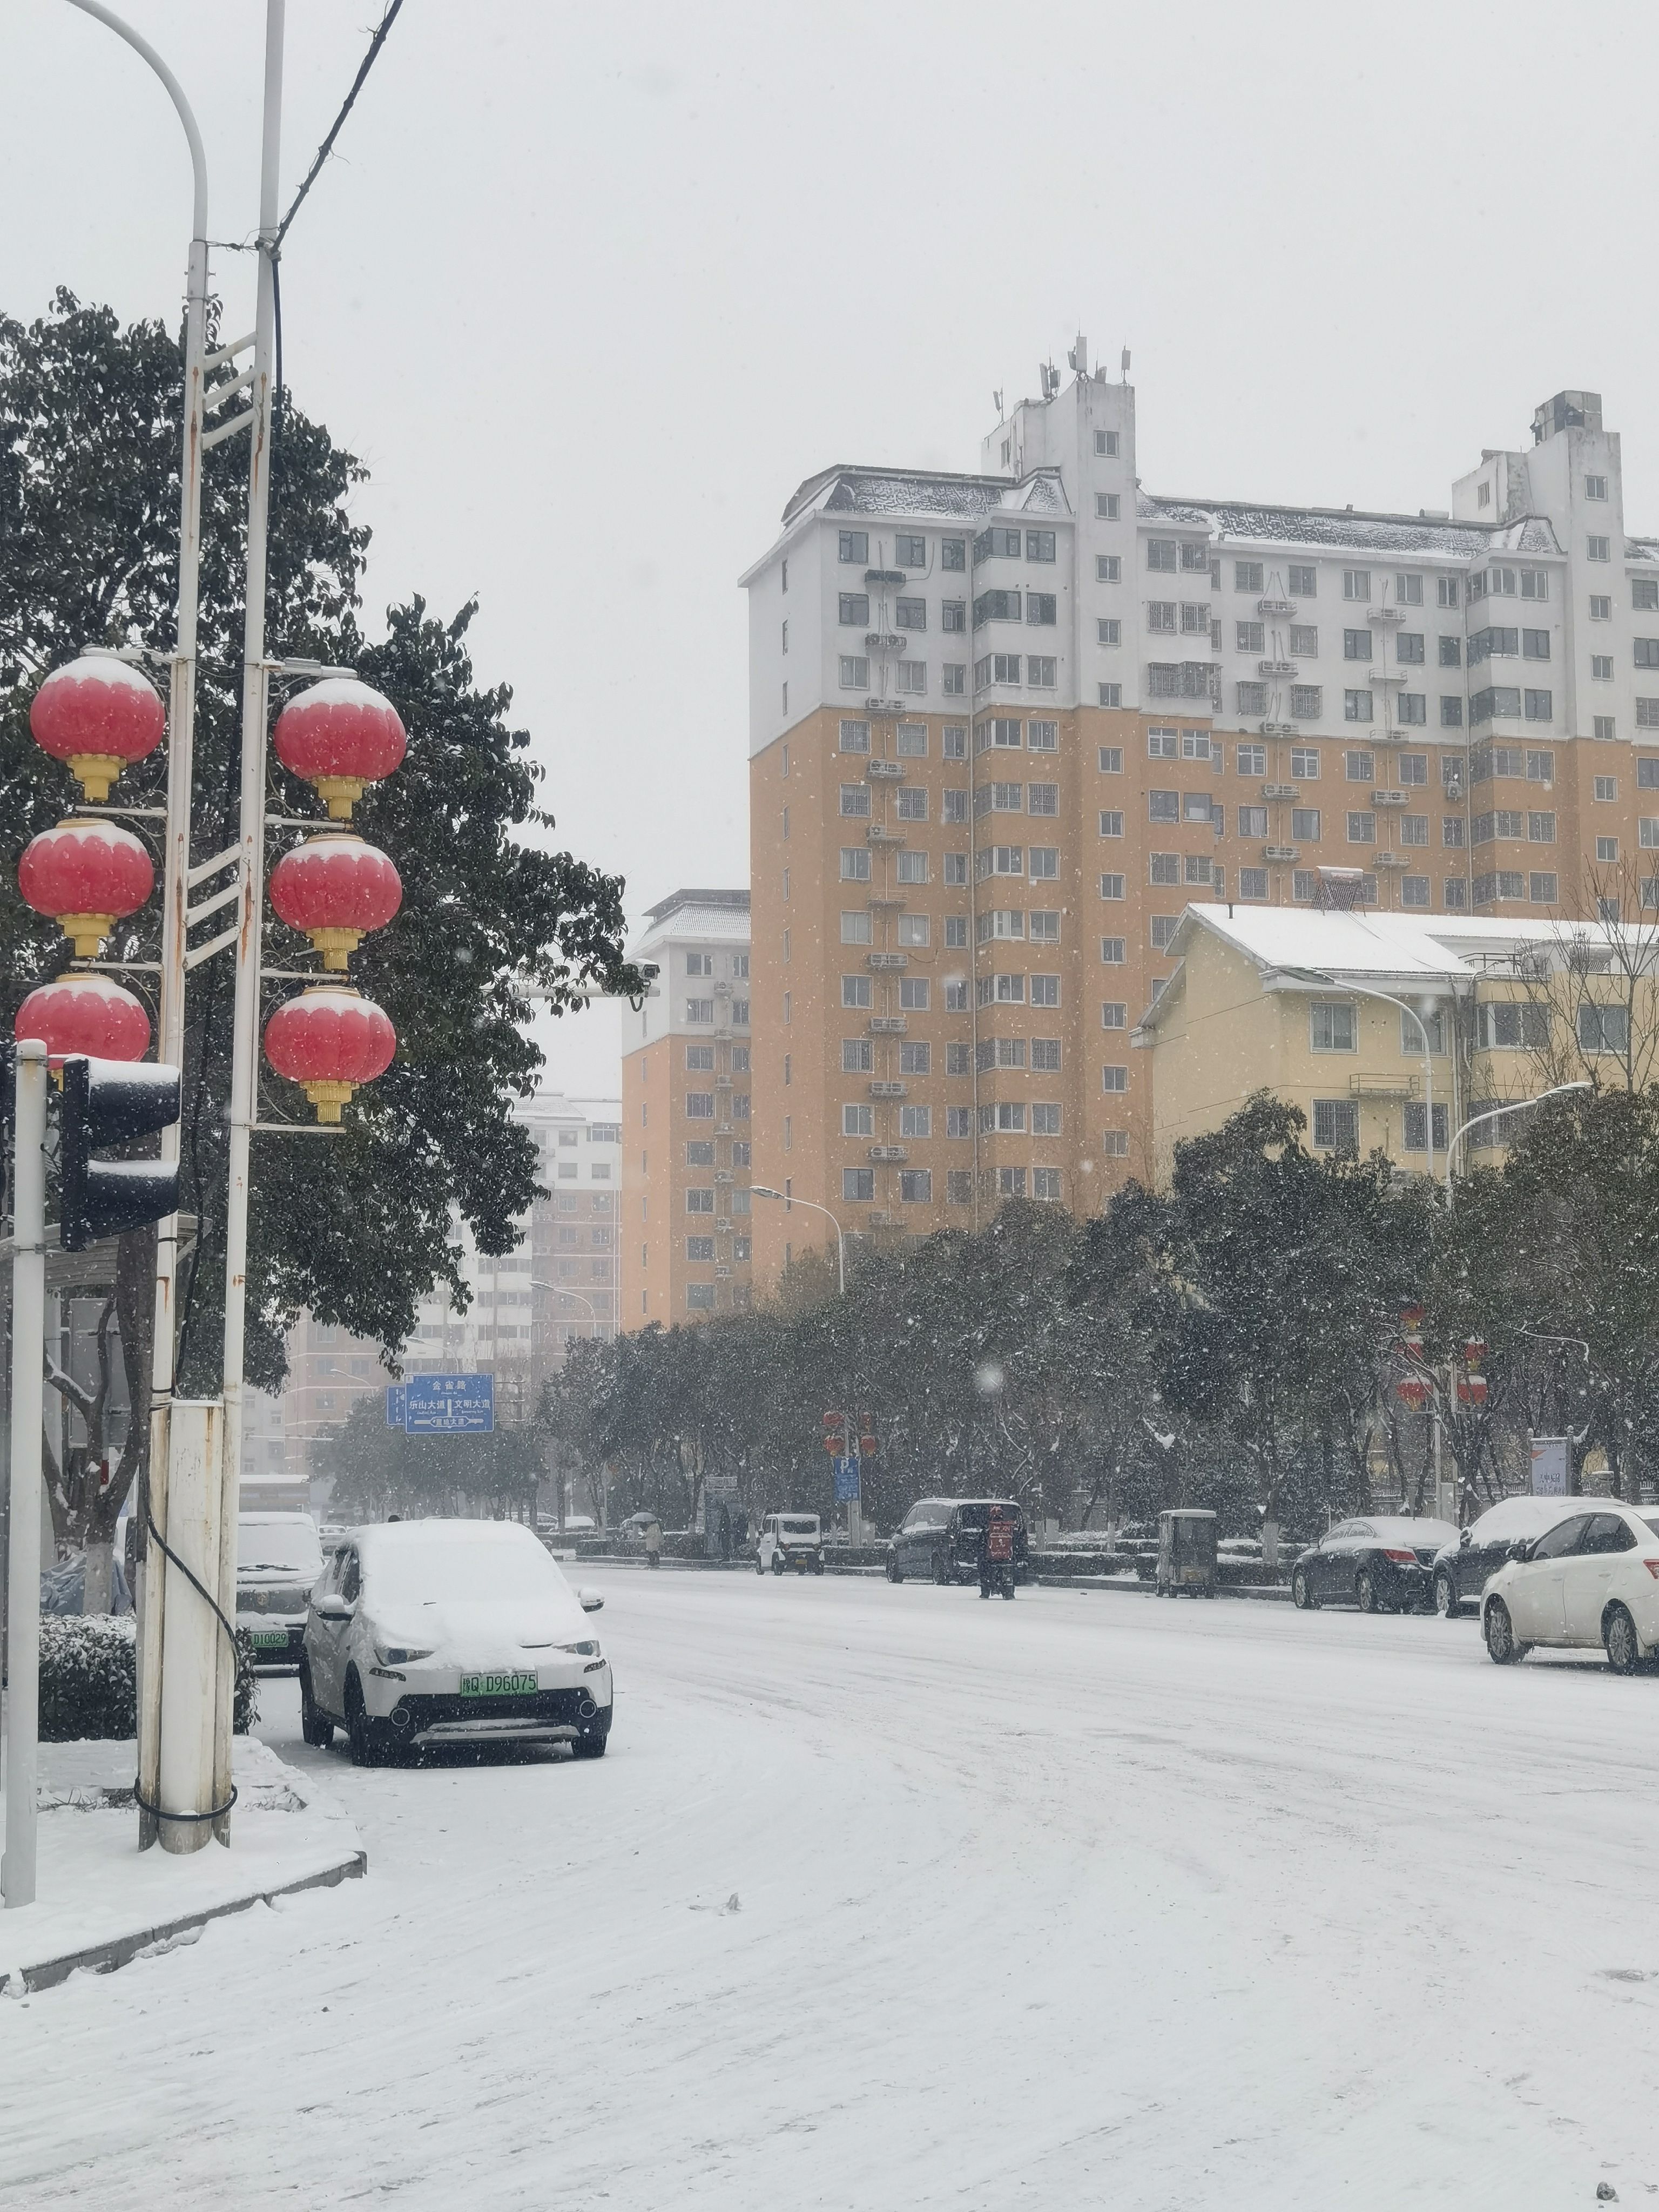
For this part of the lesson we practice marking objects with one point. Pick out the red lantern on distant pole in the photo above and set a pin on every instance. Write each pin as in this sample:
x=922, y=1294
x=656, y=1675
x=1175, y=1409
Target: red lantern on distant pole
x=340, y=735
x=334, y=889
x=330, y=1040
x=98, y=715
x=84, y=1013
x=87, y=876
x=1412, y=1393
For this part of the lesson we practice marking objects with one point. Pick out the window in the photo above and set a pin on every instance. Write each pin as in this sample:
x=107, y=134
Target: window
x=1362, y=827
x=856, y=798
x=1109, y=569
x=1413, y=829
x=1252, y=821
x=1356, y=645
x=1331, y=1026
x=1598, y=548
x=1538, y=706
x=1595, y=487
x=1196, y=556
x=1165, y=868
x=696, y=964
x=699, y=1201
x=1303, y=583
x=913, y=929
x=1045, y=990
x=1455, y=891
x=1644, y=597
x=1601, y=668
x=1408, y=591
x=1335, y=1124
x=909, y=552
x=1451, y=713
x=910, y=803
x=953, y=553
x=1161, y=615
x=1110, y=695
x=1500, y=703
x=916, y=1186
x=1603, y=1029
x=914, y=993
x=1360, y=767
x=854, y=545
x=854, y=864
x=1040, y=671
x=1115, y=1080
x=1160, y=556
x=953, y=616
x=1451, y=653
x=699, y=1153
x=786, y=636
x=856, y=737
x=1197, y=806
x=855, y=990
x=956, y=931
x=857, y=1121
x=1251, y=697
x=1250, y=760
x=854, y=609
x=915, y=1059
x=1413, y=890
x=1252, y=883
x=996, y=607
x=1109, y=633
x=1511, y=1025
x=699, y=1060
x=1445, y=591
x=1607, y=848
x=953, y=742
x=1305, y=824
x=1413, y=707
x=1107, y=507
x=1163, y=928
x=955, y=867
x=1356, y=583
x=857, y=1055
x=1112, y=948
x=1540, y=887
x=1355, y=706
x=1044, y=925
x=912, y=867
x=699, y=1248
x=1249, y=636
x=1307, y=701
x=1541, y=828
x=1606, y=786
x=699, y=1010
x=858, y=1185
x=1247, y=576
x=1417, y=1128
x=913, y=678
x=855, y=673
x=1304, y=764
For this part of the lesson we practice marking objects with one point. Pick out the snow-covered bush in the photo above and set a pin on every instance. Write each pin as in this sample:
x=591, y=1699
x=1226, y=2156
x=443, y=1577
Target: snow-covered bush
x=89, y=1679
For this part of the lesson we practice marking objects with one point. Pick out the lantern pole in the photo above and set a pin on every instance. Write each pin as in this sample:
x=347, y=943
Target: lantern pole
x=181, y=732
x=245, y=1047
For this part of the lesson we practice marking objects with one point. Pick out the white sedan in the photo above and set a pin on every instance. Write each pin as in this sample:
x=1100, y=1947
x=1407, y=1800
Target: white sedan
x=425, y=1632
x=1592, y=1579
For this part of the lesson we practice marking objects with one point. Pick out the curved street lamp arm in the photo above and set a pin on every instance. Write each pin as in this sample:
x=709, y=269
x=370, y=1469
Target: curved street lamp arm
x=1497, y=1113
x=176, y=94
x=763, y=1190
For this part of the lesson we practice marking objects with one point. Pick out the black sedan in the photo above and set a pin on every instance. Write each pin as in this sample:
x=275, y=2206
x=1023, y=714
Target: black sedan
x=940, y=1539
x=1383, y=1564
x=1463, y=1568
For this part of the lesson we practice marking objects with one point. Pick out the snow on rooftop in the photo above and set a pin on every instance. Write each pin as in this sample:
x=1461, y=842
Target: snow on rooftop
x=1233, y=519
x=846, y=489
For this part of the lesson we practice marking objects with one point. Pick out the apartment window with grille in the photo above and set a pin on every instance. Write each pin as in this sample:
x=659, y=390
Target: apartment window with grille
x=1252, y=883
x=854, y=737
x=700, y=1059
x=953, y=742
x=910, y=803
x=1335, y=1124
x=1251, y=697
x=857, y=1055
x=856, y=798
x=1249, y=636
x=1413, y=890
x=1043, y=799
x=1045, y=990
x=1162, y=556
x=1541, y=828
x=1304, y=764
x=1164, y=927
x=1302, y=883
x=1413, y=829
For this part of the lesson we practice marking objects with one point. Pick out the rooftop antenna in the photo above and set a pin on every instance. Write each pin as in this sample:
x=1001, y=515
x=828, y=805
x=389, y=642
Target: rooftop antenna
x=997, y=401
x=1079, y=357
x=1126, y=364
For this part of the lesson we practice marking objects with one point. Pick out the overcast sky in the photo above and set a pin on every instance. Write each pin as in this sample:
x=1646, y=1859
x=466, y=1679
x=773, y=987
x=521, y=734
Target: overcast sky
x=591, y=290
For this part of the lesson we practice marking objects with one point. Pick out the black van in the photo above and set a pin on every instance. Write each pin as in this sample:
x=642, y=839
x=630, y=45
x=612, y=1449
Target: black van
x=940, y=1539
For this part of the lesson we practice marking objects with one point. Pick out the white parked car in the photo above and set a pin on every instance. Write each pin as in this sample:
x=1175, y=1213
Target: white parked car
x=1591, y=1579
x=278, y=1557
x=790, y=1539
x=424, y=1632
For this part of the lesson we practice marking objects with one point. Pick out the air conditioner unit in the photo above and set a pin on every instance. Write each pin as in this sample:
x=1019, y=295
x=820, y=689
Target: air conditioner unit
x=722, y=1271
x=882, y=641
x=888, y=959
x=888, y=1025
x=1281, y=791
x=890, y=1089
x=1390, y=860
x=1391, y=799
x=880, y=771
x=1276, y=667
x=724, y=1174
x=1385, y=614
x=883, y=575
x=880, y=833
x=1277, y=729
x=1275, y=606
x=883, y=707
x=1386, y=676
x=891, y=1155
x=1281, y=852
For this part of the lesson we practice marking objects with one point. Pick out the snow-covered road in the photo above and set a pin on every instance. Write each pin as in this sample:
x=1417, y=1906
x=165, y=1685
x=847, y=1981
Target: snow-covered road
x=890, y=1899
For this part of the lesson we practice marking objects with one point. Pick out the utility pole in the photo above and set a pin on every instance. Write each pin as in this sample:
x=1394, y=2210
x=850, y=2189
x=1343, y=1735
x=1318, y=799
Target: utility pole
x=28, y=1322
x=245, y=1048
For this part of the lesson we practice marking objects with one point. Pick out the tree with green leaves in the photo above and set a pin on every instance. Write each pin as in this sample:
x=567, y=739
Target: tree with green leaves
x=359, y=1229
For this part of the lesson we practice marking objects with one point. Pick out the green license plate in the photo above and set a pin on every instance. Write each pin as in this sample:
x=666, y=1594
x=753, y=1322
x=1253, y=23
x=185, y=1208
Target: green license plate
x=499, y=1685
x=269, y=1639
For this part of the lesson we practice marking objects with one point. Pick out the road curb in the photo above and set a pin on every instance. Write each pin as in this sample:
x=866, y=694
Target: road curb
x=119, y=1951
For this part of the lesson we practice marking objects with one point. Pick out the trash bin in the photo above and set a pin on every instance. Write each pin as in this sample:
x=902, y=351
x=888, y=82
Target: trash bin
x=1185, y=1551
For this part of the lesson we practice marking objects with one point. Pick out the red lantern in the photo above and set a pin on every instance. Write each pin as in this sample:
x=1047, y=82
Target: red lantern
x=1411, y=1319
x=85, y=875
x=98, y=714
x=330, y=1039
x=334, y=889
x=340, y=735
x=1474, y=1350
x=1413, y=1394
x=84, y=1013
x=1473, y=1392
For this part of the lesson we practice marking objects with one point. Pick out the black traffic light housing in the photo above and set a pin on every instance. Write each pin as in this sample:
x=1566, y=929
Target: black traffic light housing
x=105, y=1102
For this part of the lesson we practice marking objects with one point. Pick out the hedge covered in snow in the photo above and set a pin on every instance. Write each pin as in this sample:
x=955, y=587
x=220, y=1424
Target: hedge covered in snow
x=89, y=1679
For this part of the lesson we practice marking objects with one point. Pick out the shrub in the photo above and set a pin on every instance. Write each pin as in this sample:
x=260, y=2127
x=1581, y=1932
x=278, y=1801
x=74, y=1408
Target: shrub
x=89, y=1679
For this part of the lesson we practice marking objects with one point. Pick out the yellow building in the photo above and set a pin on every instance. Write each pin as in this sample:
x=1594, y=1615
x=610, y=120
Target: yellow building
x=1387, y=1031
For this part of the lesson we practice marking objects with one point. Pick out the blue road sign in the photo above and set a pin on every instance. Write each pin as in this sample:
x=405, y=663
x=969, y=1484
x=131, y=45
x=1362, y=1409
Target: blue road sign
x=394, y=1404
x=449, y=1405
x=847, y=1479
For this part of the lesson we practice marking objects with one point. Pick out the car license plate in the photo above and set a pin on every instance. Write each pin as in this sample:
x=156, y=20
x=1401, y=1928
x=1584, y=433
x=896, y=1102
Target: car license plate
x=269, y=1639
x=499, y=1685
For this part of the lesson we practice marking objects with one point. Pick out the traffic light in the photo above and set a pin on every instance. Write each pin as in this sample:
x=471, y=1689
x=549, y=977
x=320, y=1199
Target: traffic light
x=106, y=1102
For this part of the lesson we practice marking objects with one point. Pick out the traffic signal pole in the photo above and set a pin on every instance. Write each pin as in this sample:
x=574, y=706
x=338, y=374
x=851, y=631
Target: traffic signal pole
x=245, y=1047
x=28, y=1329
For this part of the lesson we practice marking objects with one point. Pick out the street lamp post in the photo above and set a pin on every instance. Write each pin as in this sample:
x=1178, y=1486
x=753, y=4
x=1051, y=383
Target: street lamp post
x=1497, y=1113
x=760, y=1190
x=560, y=1291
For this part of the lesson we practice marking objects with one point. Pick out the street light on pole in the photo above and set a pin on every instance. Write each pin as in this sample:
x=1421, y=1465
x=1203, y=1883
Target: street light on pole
x=760, y=1190
x=560, y=1291
x=1497, y=1113
x=1420, y=1016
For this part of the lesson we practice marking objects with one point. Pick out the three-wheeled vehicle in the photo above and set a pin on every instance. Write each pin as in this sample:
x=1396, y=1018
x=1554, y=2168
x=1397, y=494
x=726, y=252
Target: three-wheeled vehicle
x=1185, y=1551
x=790, y=1539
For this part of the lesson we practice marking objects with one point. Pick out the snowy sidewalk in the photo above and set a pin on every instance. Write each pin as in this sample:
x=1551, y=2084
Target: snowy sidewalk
x=102, y=1902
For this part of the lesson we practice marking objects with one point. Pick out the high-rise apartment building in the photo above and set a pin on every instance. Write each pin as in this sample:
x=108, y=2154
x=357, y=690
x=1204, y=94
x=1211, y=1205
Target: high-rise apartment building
x=686, y=1118
x=1005, y=726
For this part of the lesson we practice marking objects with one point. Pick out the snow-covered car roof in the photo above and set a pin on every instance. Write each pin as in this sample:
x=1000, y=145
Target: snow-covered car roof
x=1403, y=1528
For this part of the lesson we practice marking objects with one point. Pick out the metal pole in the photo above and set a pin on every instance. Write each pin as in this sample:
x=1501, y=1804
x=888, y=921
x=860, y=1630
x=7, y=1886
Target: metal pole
x=181, y=732
x=28, y=1322
x=1496, y=1113
x=245, y=1049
